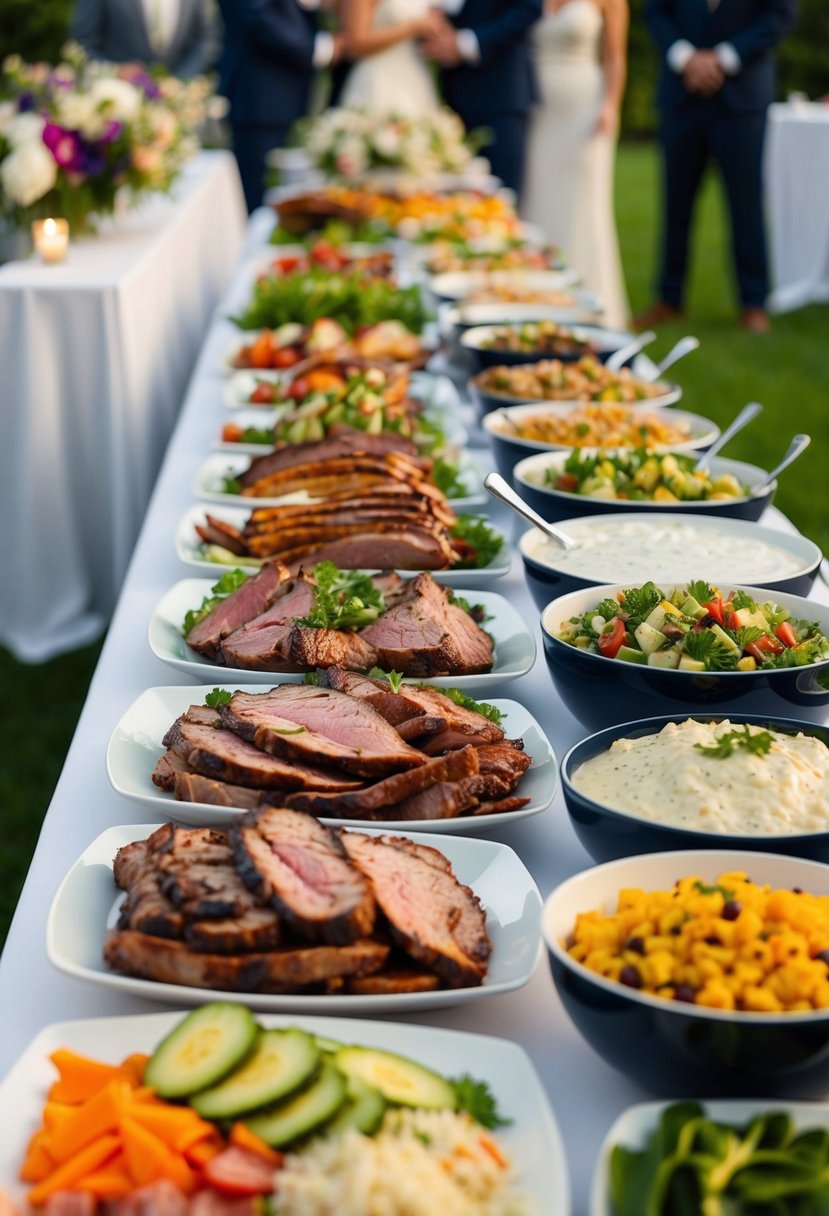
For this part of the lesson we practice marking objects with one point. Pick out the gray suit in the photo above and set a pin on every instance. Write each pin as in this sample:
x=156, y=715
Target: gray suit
x=117, y=30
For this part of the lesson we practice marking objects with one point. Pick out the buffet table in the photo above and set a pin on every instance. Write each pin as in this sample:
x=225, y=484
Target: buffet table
x=797, y=180
x=96, y=353
x=586, y=1093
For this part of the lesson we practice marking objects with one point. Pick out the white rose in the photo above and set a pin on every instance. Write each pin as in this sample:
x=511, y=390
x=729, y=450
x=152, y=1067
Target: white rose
x=118, y=98
x=78, y=112
x=7, y=112
x=387, y=142
x=25, y=129
x=28, y=173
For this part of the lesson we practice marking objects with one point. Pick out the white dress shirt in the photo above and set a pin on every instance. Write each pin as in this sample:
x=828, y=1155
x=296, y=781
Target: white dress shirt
x=323, y=40
x=468, y=47
x=161, y=17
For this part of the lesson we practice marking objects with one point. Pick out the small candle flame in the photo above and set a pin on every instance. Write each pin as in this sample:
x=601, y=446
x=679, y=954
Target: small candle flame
x=49, y=227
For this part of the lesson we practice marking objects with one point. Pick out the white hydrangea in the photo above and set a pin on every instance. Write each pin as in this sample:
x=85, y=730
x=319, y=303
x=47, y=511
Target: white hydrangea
x=80, y=112
x=24, y=129
x=387, y=141
x=28, y=173
x=7, y=112
x=117, y=98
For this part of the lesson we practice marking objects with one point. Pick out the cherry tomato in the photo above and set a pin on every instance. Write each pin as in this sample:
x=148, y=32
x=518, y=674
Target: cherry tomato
x=611, y=642
x=243, y=1137
x=567, y=482
x=763, y=646
x=729, y=617
x=263, y=394
x=238, y=1171
x=231, y=432
x=299, y=389
x=286, y=356
x=714, y=608
x=287, y=265
x=260, y=352
x=785, y=634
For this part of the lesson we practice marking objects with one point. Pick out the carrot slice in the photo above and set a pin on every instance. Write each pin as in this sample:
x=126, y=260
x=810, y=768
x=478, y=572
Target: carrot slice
x=80, y=1077
x=202, y=1151
x=55, y=1114
x=92, y=1119
x=66, y=1175
x=111, y=1181
x=176, y=1126
x=149, y=1159
x=243, y=1137
x=37, y=1164
x=134, y=1065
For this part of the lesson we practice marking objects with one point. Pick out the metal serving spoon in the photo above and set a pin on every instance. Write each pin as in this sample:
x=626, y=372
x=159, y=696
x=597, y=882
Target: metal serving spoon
x=683, y=347
x=795, y=449
x=619, y=357
x=745, y=416
x=501, y=490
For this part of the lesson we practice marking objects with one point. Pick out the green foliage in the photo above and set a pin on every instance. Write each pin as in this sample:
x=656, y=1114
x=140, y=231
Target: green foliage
x=476, y=1098
x=36, y=31
x=343, y=599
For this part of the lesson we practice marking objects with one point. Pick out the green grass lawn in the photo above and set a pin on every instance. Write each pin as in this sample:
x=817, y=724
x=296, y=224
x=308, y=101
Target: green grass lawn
x=787, y=371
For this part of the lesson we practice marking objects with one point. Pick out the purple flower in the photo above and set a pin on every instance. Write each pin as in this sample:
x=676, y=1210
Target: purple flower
x=111, y=131
x=26, y=101
x=61, y=82
x=65, y=146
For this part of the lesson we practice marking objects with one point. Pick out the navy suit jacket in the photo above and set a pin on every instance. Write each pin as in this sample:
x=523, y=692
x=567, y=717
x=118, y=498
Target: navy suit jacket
x=504, y=80
x=753, y=27
x=266, y=66
x=117, y=30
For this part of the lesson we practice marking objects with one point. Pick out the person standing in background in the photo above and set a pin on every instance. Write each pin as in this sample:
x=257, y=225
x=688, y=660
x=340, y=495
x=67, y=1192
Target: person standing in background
x=581, y=53
x=272, y=50
x=178, y=34
x=487, y=74
x=716, y=84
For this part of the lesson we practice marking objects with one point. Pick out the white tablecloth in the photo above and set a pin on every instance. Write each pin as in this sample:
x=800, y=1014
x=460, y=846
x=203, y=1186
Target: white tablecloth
x=586, y=1093
x=797, y=188
x=95, y=355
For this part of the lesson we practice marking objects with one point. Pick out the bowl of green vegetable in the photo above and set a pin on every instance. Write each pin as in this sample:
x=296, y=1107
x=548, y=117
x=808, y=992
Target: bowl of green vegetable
x=563, y=485
x=733, y=1155
x=620, y=652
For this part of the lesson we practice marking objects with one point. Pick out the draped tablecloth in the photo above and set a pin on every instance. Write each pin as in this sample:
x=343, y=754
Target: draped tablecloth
x=95, y=354
x=797, y=189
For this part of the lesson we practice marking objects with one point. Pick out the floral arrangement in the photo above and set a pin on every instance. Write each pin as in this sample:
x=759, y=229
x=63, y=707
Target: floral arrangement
x=348, y=144
x=76, y=135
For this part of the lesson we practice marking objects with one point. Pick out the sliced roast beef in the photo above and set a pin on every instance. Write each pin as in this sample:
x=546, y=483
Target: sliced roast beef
x=301, y=868
x=255, y=929
x=389, y=983
x=254, y=596
x=436, y=919
x=320, y=725
x=199, y=876
x=273, y=971
x=343, y=445
x=501, y=807
x=167, y=771
x=257, y=645
x=216, y=532
x=145, y=906
x=222, y=755
x=419, y=727
x=409, y=549
x=192, y=787
x=305, y=648
x=446, y=800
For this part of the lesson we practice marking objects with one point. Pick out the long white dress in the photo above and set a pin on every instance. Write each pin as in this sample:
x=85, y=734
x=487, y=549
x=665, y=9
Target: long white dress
x=396, y=80
x=569, y=189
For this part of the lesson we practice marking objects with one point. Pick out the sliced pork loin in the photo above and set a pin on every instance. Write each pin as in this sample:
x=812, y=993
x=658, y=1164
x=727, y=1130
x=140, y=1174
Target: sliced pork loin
x=223, y=755
x=257, y=643
x=301, y=868
x=192, y=787
x=216, y=531
x=274, y=971
x=306, y=648
x=145, y=907
x=445, y=800
x=405, y=549
x=436, y=919
x=250, y=600
x=343, y=445
x=320, y=725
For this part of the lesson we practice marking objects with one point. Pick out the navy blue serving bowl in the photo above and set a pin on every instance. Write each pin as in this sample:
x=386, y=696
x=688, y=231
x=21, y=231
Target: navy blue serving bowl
x=601, y=692
x=597, y=340
x=557, y=505
x=546, y=579
x=609, y=833
x=487, y=401
x=673, y=1048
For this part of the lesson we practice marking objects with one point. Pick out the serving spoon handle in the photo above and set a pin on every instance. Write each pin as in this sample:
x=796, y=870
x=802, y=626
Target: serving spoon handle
x=619, y=357
x=796, y=448
x=745, y=416
x=502, y=490
x=683, y=347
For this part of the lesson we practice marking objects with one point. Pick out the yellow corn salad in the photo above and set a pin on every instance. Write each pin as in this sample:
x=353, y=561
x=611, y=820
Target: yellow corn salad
x=726, y=945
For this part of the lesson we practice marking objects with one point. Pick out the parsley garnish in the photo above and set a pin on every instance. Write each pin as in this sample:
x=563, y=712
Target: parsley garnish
x=445, y=476
x=707, y=648
x=229, y=582
x=639, y=602
x=701, y=591
x=219, y=696
x=394, y=679
x=343, y=599
x=491, y=712
x=476, y=536
x=758, y=744
x=231, y=485
x=713, y=890
x=608, y=609
x=475, y=1097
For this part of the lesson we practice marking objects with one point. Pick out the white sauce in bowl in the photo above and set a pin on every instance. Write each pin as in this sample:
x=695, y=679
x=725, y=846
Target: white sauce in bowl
x=664, y=779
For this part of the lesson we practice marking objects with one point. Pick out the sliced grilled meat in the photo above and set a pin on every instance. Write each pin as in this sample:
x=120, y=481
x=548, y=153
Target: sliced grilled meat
x=198, y=874
x=216, y=532
x=272, y=971
x=410, y=700
x=250, y=600
x=305, y=648
x=255, y=929
x=417, y=728
x=145, y=906
x=191, y=787
x=394, y=982
x=502, y=806
x=435, y=919
x=301, y=868
x=446, y=800
x=167, y=771
x=258, y=644
x=425, y=634
x=406, y=549
x=504, y=760
x=318, y=724
x=343, y=445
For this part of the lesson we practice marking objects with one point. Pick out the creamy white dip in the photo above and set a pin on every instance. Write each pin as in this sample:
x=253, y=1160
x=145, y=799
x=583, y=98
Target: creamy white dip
x=619, y=550
x=663, y=778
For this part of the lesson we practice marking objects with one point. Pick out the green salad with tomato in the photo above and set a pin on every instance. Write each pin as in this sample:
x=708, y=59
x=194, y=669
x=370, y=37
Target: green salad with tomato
x=696, y=628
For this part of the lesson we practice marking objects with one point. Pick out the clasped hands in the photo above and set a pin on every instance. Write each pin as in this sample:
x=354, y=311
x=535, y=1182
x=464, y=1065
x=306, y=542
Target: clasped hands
x=439, y=40
x=703, y=74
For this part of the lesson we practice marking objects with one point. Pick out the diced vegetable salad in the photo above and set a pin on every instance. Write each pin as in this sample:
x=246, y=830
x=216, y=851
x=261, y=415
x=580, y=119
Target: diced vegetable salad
x=642, y=476
x=696, y=628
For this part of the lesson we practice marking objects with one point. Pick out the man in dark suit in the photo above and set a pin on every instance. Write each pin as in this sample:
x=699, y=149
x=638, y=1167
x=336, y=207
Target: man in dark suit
x=271, y=52
x=716, y=84
x=178, y=34
x=487, y=74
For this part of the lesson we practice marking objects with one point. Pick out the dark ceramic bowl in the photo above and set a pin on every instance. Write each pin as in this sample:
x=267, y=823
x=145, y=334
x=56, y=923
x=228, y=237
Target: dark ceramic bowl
x=456, y=285
x=548, y=575
x=556, y=505
x=456, y=319
x=599, y=342
x=487, y=401
x=670, y=1047
x=601, y=692
x=608, y=833
x=508, y=448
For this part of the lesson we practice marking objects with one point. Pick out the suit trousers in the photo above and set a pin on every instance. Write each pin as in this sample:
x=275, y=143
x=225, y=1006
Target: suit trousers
x=250, y=146
x=507, y=152
x=691, y=136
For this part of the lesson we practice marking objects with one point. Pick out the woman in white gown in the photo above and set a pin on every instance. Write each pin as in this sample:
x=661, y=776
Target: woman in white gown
x=389, y=75
x=581, y=61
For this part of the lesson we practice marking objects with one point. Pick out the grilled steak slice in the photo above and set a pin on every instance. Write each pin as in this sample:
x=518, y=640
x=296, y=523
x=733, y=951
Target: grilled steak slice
x=302, y=722
x=145, y=906
x=388, y=793
x=416, y=728
x=216, y=532
x=167, y=771
x=411, y=548
x=343, y=445
x=305, y=648
x=254, y=596
x=301, y=868
x=448, y=740
x=272, y=971
x=255, y=929
x=198, y=874
x=504, y=760
x=191, y=787
x=500, y=807
x=425, y=634
x=432, y=916
x=258, y=644
x=446, y=800
x=394, y=982
x=224, y=756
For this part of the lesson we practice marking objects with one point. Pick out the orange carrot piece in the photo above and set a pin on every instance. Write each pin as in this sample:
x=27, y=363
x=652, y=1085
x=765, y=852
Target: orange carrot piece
x=243, y=1137
x=94, y=1118
x=176, y=1126
x=149, y=1159
x=80, y=1076
x=111, y=1181
x=55, y=1114
x=202, y=1151
x=66, y=1175
x=37, y=1164
x=134, y=1066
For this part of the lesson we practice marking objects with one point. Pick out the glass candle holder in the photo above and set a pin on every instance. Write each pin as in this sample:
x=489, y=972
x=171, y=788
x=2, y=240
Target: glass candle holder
x=51, y=239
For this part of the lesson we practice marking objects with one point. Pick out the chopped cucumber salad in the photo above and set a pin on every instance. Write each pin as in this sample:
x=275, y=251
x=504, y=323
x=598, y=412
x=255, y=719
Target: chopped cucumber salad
x=696, y=628
x=642, y=476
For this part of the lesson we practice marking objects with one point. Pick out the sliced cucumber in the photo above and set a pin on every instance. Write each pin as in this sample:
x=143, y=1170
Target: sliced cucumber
x=399, y=1080
x=282, y=1061
x=202, y=1049
x=330, y=1046
x=362, y=1110
x=301, y=1113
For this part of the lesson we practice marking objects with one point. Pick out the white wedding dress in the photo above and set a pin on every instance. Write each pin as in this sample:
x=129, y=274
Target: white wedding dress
x=397, y=80
x=569, y=189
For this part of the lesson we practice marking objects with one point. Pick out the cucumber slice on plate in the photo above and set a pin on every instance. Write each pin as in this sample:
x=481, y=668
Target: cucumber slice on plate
x=363, y=1110
x=329, y=1046
x=202, y=1049
x=303, y=1112
x=282, y=1061
x=399, y=1080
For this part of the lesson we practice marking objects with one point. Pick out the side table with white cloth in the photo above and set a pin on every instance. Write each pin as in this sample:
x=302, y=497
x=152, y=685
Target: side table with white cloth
x=797, y=187
x=95, y=354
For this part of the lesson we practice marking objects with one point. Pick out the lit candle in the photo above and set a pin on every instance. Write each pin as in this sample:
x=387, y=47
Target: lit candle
x=51, y=239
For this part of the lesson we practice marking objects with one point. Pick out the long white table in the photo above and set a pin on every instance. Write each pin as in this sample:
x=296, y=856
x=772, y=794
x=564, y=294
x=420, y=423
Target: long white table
x=797, y=182
x=586, y=1093
x=95, y=356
